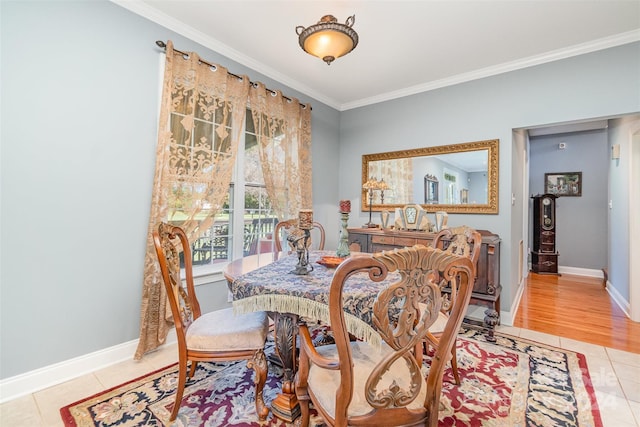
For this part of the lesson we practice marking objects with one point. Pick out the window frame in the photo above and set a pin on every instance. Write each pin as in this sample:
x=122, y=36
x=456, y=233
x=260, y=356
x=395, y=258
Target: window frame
x=236, y=212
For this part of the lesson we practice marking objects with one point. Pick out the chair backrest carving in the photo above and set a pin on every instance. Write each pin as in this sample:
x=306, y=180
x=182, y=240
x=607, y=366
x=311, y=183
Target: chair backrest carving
x=402, y=314
x=182, y=299
x=463, y=241
x=289, y=227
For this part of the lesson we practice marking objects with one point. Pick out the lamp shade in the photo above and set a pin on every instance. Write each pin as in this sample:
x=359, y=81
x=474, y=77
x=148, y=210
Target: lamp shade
x=371, y=184
x=328, y=39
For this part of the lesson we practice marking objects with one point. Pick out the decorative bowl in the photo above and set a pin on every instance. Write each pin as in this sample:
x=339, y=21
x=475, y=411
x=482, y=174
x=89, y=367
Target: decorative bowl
x=330, y=261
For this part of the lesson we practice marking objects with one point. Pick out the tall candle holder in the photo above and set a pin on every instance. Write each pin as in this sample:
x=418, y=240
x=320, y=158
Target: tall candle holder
x=382, y=186
x=343, y=244
x=301, y=242
x=369, y=186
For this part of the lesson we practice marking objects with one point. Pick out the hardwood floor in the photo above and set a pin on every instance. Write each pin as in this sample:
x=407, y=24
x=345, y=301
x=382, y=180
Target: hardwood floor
x=576, y=307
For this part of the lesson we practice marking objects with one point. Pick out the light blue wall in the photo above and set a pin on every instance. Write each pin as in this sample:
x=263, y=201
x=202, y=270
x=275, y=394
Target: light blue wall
x=581, y=221
x=595, y=85
x=478, y=185
x=620, y=172
x=80, y=89
x=79, y=111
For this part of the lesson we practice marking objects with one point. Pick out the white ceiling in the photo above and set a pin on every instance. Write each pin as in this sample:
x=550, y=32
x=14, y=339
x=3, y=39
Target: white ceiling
x=405, y=47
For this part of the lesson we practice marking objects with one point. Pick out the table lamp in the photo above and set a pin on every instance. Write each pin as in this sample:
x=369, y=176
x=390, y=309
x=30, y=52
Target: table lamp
x=370, y=185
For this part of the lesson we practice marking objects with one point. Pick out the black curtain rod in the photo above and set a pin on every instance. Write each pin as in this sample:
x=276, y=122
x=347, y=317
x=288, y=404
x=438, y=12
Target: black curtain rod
x=163, y=45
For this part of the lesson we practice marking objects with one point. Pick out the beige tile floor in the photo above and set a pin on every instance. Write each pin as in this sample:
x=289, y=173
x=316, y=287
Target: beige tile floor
x=615, y=375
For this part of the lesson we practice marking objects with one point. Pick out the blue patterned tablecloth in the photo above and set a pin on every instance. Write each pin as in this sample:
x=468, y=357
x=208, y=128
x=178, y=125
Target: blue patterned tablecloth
x=274, y=288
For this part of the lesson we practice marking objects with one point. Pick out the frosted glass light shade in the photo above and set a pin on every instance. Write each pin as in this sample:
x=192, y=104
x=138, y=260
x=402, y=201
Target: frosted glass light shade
x=328, y=39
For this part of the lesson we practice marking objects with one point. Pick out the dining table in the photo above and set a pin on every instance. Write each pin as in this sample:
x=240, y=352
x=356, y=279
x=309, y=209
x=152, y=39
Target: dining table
x=267, y=282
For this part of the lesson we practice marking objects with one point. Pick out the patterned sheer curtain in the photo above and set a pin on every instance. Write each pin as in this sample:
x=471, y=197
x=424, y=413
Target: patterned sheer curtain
x=398, y=174
x=283, y=128
x=202, y=112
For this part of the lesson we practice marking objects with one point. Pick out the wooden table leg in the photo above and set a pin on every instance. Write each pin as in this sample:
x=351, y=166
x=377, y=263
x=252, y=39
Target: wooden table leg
x=285, y=406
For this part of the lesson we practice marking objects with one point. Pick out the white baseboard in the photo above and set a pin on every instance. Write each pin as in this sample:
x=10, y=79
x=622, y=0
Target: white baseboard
x=619, y=300
x=39, y=379
x=580, y=271
x=506, y=317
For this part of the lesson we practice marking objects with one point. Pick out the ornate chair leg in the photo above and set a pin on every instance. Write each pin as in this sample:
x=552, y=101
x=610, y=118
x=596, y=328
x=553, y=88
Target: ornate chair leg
x=192, y=371
x=303, y=420
x=302, y=392
x=182, y=380
x=259, y=365
x=454, y=364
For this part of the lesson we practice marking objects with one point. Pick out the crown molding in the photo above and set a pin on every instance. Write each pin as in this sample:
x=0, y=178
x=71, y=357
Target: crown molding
x=146, y=11
x=556, y=55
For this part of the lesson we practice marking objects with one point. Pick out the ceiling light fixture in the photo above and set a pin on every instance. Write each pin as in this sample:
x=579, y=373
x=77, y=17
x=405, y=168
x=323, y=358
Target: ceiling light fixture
x=328, y=39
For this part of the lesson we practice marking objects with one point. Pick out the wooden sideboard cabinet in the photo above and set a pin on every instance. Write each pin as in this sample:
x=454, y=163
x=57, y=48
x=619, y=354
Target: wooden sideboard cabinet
x=486, y=288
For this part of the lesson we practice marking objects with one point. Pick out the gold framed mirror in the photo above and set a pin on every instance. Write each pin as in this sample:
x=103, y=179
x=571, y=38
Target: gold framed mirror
x=458, y=178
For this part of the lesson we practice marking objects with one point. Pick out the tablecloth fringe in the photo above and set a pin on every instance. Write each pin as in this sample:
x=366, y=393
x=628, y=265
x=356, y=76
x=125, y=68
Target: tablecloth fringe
x=305, y=308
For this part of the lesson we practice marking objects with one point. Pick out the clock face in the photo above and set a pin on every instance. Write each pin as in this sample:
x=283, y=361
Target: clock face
x=411, y=214
x=547, y=213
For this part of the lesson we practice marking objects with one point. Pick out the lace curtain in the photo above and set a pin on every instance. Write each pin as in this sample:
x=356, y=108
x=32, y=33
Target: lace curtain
x=283, y=129
x=202, y=111
x=398, y=174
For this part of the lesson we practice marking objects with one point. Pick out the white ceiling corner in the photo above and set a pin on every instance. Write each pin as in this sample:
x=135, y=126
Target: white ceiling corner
x=405, y=47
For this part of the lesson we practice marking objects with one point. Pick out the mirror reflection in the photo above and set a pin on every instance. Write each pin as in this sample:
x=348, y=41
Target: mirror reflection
x=459, y=178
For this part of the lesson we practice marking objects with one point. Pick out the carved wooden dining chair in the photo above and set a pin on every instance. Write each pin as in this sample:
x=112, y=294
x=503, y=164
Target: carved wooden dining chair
x=364, y=384
x=466, y=242
x=289, y=227
x=212, y=337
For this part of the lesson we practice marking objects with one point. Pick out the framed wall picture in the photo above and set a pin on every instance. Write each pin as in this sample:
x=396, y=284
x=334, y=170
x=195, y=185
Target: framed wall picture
x=563, y=183
x=430, y=189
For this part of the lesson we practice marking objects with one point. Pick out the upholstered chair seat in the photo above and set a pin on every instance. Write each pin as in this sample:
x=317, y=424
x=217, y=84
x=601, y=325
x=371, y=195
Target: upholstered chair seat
x=325, y=382
x=223, y=330
x=439, y=324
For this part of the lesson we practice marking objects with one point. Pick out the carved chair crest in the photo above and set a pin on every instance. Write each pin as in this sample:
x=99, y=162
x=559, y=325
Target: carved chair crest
x=464, y=241
x=172, y=256
x=289, y=231
x=403, y=313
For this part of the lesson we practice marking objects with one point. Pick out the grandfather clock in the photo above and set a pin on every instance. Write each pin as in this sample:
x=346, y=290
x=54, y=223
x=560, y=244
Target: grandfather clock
x=544, y=257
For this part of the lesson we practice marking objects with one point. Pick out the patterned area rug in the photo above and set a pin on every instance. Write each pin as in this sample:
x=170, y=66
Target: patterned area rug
x=513, y=382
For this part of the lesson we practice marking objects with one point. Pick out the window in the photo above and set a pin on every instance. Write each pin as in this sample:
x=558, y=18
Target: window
x=245, y=223
x=450, y=187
